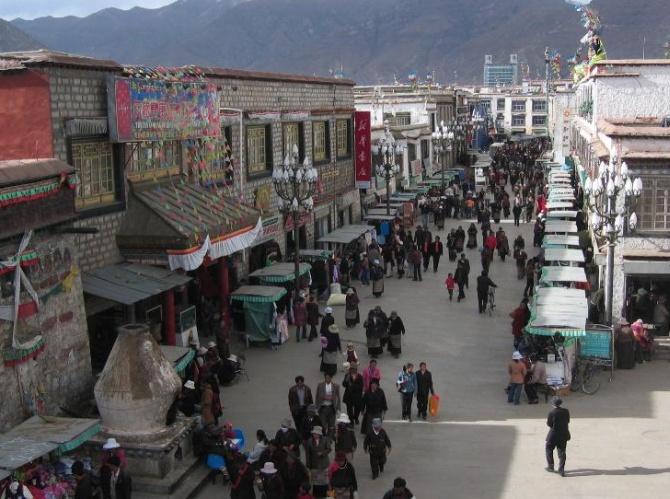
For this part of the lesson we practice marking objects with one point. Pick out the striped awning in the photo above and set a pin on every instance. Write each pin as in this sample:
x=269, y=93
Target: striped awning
x=280, y=272
x=258, y=294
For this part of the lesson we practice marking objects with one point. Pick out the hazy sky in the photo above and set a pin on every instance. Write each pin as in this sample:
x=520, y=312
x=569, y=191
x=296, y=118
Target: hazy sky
x=30, y=9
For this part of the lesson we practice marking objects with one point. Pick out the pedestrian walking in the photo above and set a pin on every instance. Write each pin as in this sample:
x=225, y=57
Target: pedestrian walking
x=377, y=278
x=426, y=249
x=352, y=315
x=517, y=375
x=84, y=485
x=558, y=436
x=466, y=265
x=345, y=436
x=328, y=403
x=406, y=384
x=437, y=252
x=317, y=460
x=299, y=398
x=415, y=261
x=484, y=282
x=300, y=319
x=450, y=284
x=342, y=478
x=396, y=330
x=327, y=321
x=502, y=244
x=313, y=316
x=461, y=279
x=272, y=484
x=332, y=348
x=472, y=236
x=371, y=372
x=451, y=245
x=374, y=405
x=530, y=277
x=424, y=388
x=353, y=393
x=114, y=480
x=399, y=490
x=288, y=438
x=378, y=445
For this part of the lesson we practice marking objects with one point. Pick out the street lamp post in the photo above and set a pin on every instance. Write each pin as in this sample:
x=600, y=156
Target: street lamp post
x=608, y=219
x=443, y=142
x=388, y=168
x=295, y=184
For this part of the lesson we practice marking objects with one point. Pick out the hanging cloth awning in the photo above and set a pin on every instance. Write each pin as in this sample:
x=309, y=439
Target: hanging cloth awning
x=562, y=214
x=258, y=294
x=181, y=224
x=39, y=435
x=553, y=240
x=346, y=234
x=280, y=272
x=559, y=204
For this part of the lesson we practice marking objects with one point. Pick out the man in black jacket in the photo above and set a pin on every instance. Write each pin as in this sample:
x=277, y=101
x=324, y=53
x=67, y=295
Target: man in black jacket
x=113, y=477
x=558, y=421
x=424, y=386
x=437, y=249
x=483, y=284
x=85, y=488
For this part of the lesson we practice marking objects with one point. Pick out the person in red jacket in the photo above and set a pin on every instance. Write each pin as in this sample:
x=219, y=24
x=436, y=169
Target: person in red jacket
x=450, y=283
x=520, y=317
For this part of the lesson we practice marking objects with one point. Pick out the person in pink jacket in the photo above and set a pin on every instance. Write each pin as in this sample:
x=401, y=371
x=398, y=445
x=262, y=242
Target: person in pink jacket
x=369, y=373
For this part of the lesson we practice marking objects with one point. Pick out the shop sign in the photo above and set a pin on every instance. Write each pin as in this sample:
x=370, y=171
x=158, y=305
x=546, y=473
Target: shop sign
x=362, y=137
x=303, y=219
x=270, y=230
x=154, y=110
x=416, y=167
x=263, y=197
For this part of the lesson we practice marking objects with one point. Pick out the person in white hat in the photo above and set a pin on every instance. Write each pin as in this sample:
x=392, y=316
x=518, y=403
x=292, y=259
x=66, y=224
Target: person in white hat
x=112, y=448
x=517, y=374
x=272, y=483
x=345, y=437
x=317, y=460
x=188, y=399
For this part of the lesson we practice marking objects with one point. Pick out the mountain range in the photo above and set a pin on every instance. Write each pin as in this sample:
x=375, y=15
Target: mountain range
x=12, y=38
x=371, y=40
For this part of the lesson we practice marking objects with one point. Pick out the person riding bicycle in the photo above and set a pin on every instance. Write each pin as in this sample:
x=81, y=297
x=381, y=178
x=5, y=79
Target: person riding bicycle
x=484, y=282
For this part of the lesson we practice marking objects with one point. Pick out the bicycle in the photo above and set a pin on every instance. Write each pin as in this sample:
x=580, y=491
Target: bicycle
x=586, y=375
x=491, y=304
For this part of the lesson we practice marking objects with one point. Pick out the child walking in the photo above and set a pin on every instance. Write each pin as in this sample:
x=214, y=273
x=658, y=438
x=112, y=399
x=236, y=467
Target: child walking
x=451, y=284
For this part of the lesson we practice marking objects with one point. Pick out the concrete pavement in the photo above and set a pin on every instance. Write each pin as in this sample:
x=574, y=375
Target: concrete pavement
x=478, y=446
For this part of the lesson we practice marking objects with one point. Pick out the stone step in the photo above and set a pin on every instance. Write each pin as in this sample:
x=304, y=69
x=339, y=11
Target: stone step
x=185, y=482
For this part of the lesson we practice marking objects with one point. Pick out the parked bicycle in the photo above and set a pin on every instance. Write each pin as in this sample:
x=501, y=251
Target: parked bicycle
x=491, y=304
x=586, y=375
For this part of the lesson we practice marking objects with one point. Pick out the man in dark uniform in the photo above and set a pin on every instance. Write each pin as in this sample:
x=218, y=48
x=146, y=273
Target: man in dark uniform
x=558, y=421
x=424, y=386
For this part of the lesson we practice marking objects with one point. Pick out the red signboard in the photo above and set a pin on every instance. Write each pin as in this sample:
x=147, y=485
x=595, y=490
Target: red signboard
x=363, y=162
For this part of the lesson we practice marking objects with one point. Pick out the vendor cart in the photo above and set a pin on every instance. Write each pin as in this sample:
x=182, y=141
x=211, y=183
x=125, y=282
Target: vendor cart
x=258, y=310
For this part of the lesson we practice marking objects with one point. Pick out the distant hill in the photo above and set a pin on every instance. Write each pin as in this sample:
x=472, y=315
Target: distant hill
x=12, y=38
x=373, y=40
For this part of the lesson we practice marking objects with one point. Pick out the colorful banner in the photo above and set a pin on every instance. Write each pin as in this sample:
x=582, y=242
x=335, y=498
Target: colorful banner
x=362, y=136
x=155, y=110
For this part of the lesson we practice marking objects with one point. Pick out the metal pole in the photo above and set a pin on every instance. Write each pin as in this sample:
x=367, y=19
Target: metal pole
x=442, y=172
x=388, y=193
x=611, y=237
x=547, y=92
x=296, y=250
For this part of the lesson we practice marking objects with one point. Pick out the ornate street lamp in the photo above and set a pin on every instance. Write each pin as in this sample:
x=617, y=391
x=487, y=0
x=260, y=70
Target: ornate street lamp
x=295, y=184
x=610, y=219
x=443, y=143
x=388, y=168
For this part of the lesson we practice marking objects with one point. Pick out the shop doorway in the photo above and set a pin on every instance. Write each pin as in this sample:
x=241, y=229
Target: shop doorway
x=302, y=239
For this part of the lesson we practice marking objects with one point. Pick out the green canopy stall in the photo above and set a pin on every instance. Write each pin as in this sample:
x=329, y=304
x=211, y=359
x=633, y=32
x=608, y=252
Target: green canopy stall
x=258, y=307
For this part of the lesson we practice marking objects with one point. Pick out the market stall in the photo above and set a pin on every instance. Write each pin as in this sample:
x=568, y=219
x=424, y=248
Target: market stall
x=259, y=307
x=560, y=227
x=563, y=256
x=562, y=214
x=381, y=211
x=279, y=273
x=559, y=240
x=346, y=235
x=557, y=205
x=38, y=437
x=179, y=357
x=550, y=276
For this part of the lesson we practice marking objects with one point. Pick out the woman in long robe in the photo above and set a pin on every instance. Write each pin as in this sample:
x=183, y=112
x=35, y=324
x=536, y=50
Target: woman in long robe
x=373, y=334
x=351, y=313
x=472, y=236
x=396, y=330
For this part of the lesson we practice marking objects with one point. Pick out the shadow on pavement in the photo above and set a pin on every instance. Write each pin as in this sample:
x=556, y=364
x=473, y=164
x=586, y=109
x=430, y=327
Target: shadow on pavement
x=633, y=470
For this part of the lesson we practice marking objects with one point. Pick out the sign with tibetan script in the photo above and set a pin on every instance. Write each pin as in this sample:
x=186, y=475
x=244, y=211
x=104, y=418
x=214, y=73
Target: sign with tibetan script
x=363, y=162
x=154, y=110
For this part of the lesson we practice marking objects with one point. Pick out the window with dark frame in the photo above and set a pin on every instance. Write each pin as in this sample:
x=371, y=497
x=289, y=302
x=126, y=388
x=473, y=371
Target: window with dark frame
x=519, y=120
x=343, y=138
x=293, y=133
x=94, y=163
x=321, y=141
x=259, y=149
x=653, y=207
x=518, y=106
x=154, y=159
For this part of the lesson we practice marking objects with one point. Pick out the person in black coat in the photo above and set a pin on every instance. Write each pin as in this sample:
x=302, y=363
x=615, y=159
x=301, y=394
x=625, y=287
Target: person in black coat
x=353, y=393
x=112, y=474
x=424, y=386
x=558, y=422
x=374, y=405
x=484, y=282
x=437, y=249
x=84, y=489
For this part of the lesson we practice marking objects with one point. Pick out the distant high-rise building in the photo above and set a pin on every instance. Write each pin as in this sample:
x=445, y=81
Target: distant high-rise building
x=501, y=74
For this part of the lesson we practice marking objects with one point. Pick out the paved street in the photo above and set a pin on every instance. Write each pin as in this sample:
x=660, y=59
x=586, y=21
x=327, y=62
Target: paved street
x=478, y=446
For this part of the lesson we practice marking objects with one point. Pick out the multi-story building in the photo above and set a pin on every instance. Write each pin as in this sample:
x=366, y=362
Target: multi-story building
x=174, y=170
x=501, y=75
x=412, y=113
x=621, y=115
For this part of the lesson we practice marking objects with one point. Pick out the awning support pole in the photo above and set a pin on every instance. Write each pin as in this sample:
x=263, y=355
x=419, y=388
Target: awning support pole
x=170, y=325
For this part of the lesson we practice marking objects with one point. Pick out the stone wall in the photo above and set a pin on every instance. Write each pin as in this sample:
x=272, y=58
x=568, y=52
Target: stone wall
x=60, y=375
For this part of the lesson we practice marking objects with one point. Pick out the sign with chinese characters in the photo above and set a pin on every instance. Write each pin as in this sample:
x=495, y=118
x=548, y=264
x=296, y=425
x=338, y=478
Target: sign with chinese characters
x=271, y=227
x=154, y=110
x=304, y=218
x=362, y=137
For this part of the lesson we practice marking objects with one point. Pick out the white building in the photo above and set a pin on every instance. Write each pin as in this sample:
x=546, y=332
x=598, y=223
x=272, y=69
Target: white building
x=622, y=115
x=412, y=112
